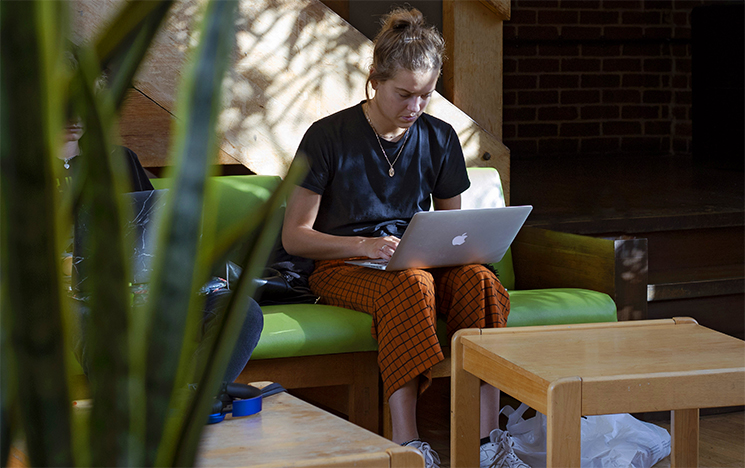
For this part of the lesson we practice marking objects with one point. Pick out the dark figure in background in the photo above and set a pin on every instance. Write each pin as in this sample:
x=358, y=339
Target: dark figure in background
x=214, y=300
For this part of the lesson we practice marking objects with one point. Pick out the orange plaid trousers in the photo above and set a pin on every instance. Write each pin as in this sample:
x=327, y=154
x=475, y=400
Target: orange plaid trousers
x=405, y=305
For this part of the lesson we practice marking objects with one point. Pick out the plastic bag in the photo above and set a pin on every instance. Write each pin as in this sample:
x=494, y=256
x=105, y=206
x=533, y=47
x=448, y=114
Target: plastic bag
x=608, y=440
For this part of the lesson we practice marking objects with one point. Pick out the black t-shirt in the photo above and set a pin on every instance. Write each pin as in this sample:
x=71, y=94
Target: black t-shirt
x=349, y=171
x=138, y=179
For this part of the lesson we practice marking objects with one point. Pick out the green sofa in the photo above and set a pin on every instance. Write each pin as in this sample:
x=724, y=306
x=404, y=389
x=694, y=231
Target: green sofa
x=573, y=279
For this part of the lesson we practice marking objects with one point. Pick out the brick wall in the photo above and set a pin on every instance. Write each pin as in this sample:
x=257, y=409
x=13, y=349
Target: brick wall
x=598, y=77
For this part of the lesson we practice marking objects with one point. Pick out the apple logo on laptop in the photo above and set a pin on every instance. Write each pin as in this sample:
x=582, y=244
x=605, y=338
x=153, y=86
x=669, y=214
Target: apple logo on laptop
x=460, y=240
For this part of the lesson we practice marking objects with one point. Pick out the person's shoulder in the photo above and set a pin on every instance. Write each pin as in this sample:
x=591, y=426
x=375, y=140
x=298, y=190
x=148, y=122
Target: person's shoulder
x=437, y=124
x=338, y=117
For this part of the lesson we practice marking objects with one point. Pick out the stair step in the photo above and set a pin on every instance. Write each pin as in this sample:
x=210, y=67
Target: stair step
x=695, y=289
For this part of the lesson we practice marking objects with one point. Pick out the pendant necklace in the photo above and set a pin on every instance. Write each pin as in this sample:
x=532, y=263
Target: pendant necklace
x=67, y=162
x=391, y=171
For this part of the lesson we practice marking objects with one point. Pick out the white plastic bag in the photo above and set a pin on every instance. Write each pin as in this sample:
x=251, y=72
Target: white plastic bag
x=609, y=440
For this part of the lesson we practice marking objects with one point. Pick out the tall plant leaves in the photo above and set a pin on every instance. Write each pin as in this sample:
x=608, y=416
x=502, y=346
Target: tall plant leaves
x=31, y=114
x=106, y=287
x=266, y=225
x=177, y=272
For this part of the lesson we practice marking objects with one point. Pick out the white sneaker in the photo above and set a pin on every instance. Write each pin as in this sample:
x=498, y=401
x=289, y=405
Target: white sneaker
x=499, y=453
x=431, y=459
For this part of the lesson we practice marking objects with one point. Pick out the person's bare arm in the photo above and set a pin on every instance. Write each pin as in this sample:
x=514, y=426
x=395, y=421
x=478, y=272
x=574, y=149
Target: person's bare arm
x=447, y=203
x=299, y=237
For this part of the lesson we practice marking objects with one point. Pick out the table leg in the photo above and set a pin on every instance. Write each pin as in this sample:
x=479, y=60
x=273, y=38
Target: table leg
x=464, y=410
x=684, y=433
x=564, y=423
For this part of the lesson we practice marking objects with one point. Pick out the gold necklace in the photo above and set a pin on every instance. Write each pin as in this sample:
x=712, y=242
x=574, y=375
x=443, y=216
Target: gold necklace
x=391, y=171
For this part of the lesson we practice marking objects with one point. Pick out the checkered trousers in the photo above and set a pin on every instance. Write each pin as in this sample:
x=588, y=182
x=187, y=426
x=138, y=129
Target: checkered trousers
x=405, y=305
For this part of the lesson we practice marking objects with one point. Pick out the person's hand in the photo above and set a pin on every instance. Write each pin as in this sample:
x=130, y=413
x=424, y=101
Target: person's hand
x=381, y=247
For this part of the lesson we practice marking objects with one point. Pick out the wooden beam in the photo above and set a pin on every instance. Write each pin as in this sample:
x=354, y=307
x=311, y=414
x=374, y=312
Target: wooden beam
x=295, y=62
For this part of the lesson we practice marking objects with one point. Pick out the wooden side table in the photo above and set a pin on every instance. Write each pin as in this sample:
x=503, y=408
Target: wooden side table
x=568, y=371
x=289, y=432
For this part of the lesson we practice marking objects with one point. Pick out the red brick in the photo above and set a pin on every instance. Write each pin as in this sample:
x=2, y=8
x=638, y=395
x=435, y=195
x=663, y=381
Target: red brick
x=659, y=127
x=680, y=112
x=522, y=147
x=621, y=96
x=641, y=144
x=581, y=129
x=665, y=81
x=580, y=64
x=537, y=98
x=680, y=146
x=559, y=17
x=621, y=128
x=520, y=16
x=562, y=113
x=550, y=81
x=639, y=80
x=523, y=50
x=537, y=130
x=658, y=4
x=508, y=131
x=520, y=81
x=509, y=98
x=599, y=112
x=682, y=33
x=662, y=32
x=563, y=50
x=509, y=31
x=558, y=145
x=665, y=112
x=593, y=145
x=580, y=97
x=603, y=50
x=683, y=97
x=601, y=81
x=581, y=4
x=641, y=17
x=509, y=66
x=658, y=65
x=642, y=50
x=623, y=32
x=536, y=4
x=518, y=114
x=683, y=65
x=581, y=32
x=622, y=65
x=622, y=4
x=640, y=112
x=538, y=65
x=598, y=17
x=679, y=50
x=681, y=18
x=538, y=32
x=656, y=96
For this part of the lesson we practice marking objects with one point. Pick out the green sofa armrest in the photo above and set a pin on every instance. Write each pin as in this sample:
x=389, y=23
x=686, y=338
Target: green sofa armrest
x=618, y=267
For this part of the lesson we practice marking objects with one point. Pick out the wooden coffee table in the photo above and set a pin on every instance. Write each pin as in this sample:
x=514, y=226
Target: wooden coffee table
x=567, y=371
x=289, y=432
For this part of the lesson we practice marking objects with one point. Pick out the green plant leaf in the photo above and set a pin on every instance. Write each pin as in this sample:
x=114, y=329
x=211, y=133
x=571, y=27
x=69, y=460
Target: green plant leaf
x=126, y=41
x=103, y=173
x=30, y=118
x=229, y=324
x=179, y=271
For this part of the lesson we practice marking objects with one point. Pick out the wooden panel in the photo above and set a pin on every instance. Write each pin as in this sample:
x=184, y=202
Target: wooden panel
x=472, y=77
x=685, y=440
x=296, y=61
x=464, y=407
x=665, y=391
x=563, y=423
x=550, y=259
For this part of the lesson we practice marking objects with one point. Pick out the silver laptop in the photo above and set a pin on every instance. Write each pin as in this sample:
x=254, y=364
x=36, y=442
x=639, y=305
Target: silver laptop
x=454, y=237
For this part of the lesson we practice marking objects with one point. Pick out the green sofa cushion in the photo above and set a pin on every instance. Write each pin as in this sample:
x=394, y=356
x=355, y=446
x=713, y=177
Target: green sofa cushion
x=559, y=306
x=312, y=329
